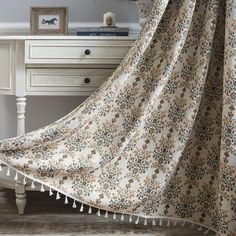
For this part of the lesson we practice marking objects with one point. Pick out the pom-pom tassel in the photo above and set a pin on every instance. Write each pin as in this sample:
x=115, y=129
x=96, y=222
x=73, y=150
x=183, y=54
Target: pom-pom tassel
x=160, y=222
x=122, y=217
x=58, y=196
x=153, y=222
x=82, y=207
x=66, y=200
x=50, y=192
x=0, y=167
x=206, y=232
x=175, y=223
x=168, y=223
x=74, y=204
x=183, y=224
x=106, y=214
x=16, y=177
x=90, y=210
x=145, y=222
x=98, y=212
x=114, y=216
x=24, y=181
x=200, y=229
x=42, y=189
x=137, y=221
x=32, y=185
x=192, y=226
x=130, y=219
x=8, y=172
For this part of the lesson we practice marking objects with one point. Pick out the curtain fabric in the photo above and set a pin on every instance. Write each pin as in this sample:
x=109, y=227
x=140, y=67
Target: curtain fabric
x=158, y=140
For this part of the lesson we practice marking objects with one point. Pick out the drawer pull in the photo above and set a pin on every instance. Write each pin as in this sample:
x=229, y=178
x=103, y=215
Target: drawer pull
x=87, y=52
x=87, y=80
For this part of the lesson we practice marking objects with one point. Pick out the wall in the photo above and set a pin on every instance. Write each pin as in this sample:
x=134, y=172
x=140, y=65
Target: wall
x=79, y=10
x=44, y=110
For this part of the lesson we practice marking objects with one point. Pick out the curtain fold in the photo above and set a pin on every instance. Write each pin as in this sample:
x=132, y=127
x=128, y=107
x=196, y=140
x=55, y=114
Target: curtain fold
x=157, y=141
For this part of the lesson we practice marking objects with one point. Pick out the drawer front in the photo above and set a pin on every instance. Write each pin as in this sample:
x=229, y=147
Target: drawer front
x=76, y=52
x=65, y=81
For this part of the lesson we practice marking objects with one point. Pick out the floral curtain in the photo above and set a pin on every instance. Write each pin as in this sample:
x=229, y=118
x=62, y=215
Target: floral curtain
x=157, y=142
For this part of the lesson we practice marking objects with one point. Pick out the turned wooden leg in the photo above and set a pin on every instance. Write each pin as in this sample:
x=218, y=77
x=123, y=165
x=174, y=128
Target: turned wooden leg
x=20, y=105
x=20, y=197
x=20, y=187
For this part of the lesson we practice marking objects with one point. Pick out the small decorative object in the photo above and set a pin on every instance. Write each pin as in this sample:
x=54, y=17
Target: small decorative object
x=49, y=21
x=109, y=19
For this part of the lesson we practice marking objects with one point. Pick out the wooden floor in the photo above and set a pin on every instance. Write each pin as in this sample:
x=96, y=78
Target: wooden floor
x=46, y=216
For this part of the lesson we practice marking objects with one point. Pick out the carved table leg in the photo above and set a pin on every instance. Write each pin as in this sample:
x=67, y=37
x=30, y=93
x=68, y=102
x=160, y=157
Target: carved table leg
x=20, y=187
x=20, y=105
x=20, y=197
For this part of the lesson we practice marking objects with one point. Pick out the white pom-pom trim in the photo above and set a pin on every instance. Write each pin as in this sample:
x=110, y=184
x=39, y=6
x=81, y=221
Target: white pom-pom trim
x=153, y=222
x=58, y=196
x=32, y=185
x=137, y=221
x=98, y=212
x=74, y=204
x=42, y=189
x=90, y=210
x=66, y=200
x=130, y=219
x=8, y=172
x=82, y=207
x=50, y=192
x=16, y=177
x=106, y=214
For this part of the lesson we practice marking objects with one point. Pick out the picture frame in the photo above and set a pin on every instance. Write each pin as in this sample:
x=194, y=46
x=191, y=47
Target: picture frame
x=49, y=20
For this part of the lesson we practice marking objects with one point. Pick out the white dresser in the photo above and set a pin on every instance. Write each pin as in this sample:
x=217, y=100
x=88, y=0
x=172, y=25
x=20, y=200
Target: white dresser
x=52, y=66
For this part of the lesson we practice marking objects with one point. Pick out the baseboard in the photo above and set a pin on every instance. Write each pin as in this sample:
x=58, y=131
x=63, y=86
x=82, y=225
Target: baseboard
x=24, y=28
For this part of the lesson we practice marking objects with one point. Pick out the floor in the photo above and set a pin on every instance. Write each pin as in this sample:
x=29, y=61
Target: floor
x=46, y=216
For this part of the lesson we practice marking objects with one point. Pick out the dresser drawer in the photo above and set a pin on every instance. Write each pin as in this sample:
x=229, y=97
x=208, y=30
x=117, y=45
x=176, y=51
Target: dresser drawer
x=76, y=51
x=69, y=81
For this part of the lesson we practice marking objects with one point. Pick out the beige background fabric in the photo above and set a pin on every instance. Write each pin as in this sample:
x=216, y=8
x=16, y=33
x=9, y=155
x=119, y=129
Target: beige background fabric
x=157, y=140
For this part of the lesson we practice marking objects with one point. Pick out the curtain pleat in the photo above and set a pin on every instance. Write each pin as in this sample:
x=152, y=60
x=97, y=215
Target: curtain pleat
x=157, y=141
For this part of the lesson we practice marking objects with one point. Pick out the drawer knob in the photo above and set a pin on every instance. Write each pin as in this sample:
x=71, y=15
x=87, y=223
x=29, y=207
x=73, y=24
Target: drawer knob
x=87, y=80
x=87, y=52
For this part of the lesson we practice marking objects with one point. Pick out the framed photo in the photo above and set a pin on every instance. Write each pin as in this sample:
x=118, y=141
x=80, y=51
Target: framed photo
x=49, y=20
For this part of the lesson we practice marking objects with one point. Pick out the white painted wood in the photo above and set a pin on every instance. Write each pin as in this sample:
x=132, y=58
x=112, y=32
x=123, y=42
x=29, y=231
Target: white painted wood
x=51, y=81
x=76, y=52
x=20, y=105
x=7, y=70
x=20, y=197
x=67, y=37
x=23, y=28
x=20, y=69
x=20, y=189
x=52, y=65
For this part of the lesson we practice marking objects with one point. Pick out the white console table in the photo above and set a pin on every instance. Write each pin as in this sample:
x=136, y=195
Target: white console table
x=52, y=65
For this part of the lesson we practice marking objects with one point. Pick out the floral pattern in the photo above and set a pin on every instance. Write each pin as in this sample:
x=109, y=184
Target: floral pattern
x=158, y=139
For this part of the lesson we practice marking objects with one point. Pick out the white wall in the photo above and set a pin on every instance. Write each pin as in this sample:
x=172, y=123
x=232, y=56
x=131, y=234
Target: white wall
x=44, y=110
x=79, y=10
x=40, y=112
